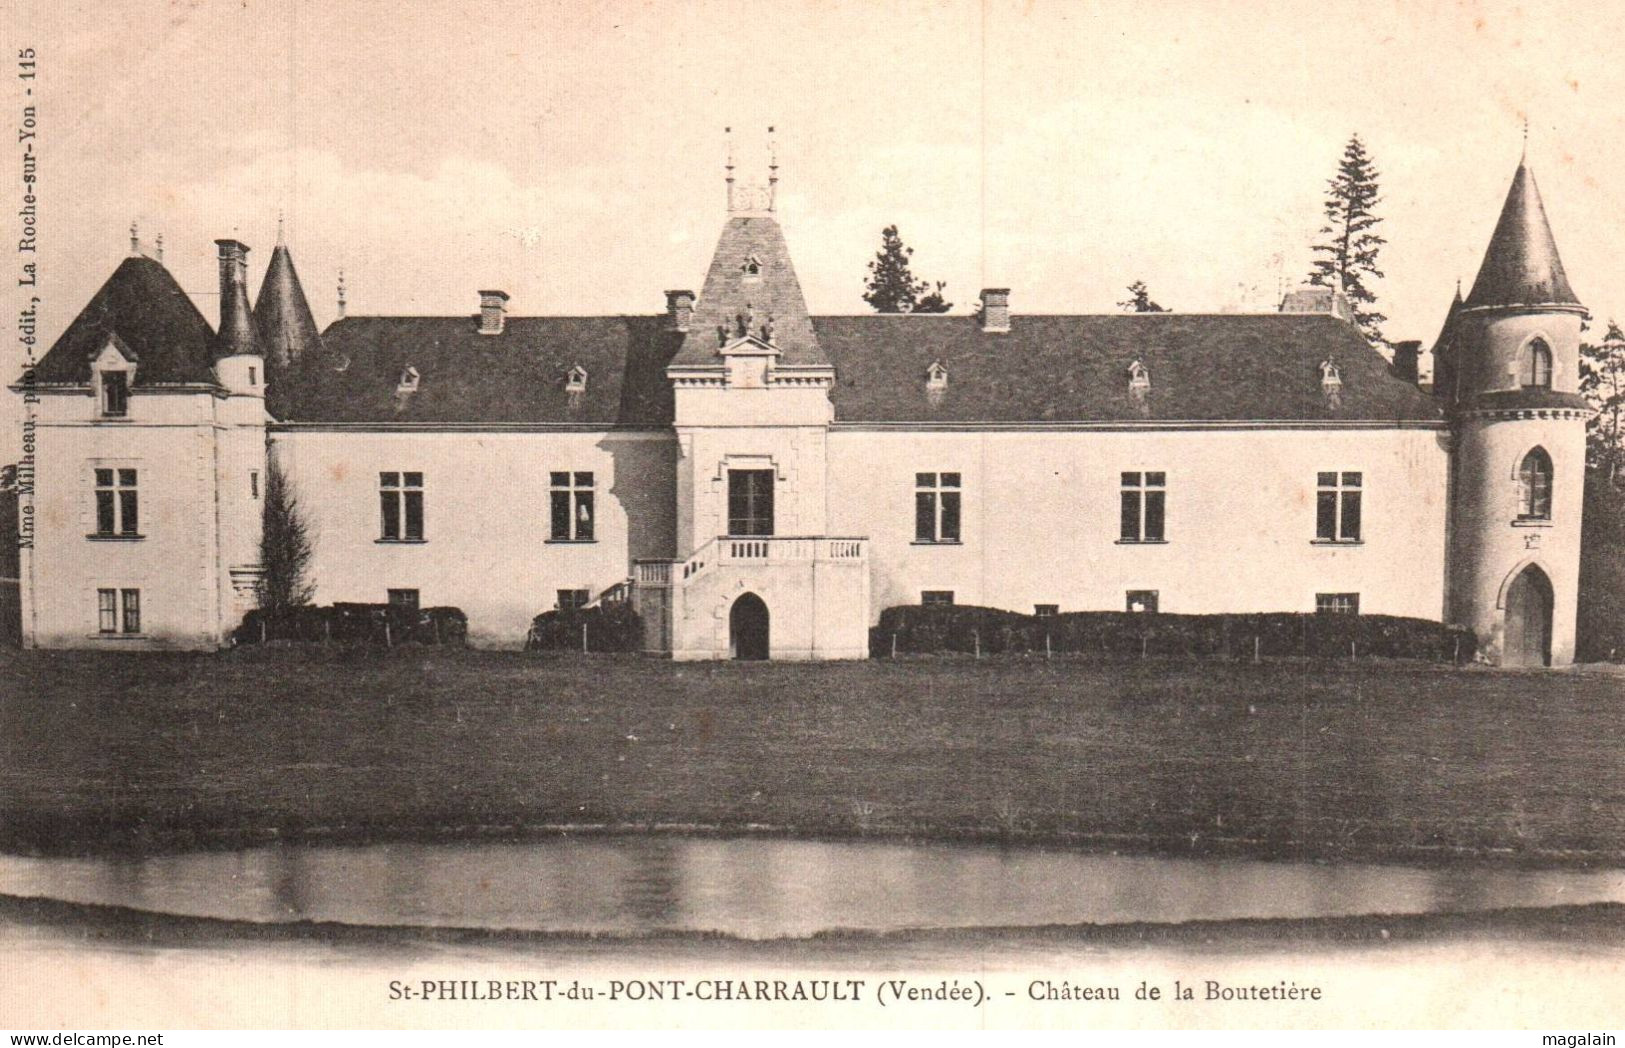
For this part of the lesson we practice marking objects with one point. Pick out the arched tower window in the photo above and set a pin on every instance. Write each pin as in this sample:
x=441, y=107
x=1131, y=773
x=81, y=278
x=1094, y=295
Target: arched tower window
x=1537, y=365
x=1535, y=486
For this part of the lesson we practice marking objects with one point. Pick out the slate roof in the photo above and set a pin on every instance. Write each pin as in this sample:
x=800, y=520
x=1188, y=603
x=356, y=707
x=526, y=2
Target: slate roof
x=1204, y=367
x=515, y=377
x=1521, y=265
x=143, y=305
x=287, y=329
x=730, y=291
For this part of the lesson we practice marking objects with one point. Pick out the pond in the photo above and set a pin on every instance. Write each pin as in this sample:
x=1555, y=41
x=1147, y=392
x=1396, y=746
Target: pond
x=764, y=888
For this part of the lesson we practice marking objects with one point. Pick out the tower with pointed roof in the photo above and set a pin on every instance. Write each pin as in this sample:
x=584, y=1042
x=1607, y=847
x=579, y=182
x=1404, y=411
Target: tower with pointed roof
x=241, y=370
x=752, y=410
x=1510, y=381
x=287, y=329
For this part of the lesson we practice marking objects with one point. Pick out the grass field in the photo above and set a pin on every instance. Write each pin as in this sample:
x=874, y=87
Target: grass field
x=1409, y=762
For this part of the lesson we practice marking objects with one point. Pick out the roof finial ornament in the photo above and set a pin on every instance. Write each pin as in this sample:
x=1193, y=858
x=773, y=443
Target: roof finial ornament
x=1525, y=154
x=772, y=170
x=160, y=248
x=135, y=239
x=728, y=136
x=341, y=293
x=281, y=240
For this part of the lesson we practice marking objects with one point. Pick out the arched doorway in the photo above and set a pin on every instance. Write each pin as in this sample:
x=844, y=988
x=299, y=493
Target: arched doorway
x=1528, y=637
x=747, y=628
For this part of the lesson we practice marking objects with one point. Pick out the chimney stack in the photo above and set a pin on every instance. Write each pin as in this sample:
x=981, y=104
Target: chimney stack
x=996, y=309
x=1406, y=356
x=493, y=312
x=1314, y=298
x=679, y=310
x=237, y=334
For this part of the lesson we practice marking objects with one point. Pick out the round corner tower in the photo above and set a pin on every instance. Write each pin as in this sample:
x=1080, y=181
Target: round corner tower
x=1519, y=427
x=240, y=452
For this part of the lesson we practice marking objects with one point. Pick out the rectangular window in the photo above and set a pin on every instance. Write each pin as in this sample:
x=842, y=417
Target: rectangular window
x=936, y=596
x=254, y=483
x=1337, y=507
x=400, y=503
x=107, y=611
x=118, y=611
x=404, y=599
x=570, y=599
x=117, y=503
x=132, y=610
x=572, y=505
x=1144, y=601
x=1337, y=603
x=750, y=502
x=1143, y=506
x=115, y=393
x=1045, y=611
x=936, y=507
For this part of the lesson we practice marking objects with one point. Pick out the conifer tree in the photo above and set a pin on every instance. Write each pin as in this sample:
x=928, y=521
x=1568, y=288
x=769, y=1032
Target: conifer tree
x=1602, y=380
x=285, y=546
x=1349, y=244
x=892, y=287
x=1139, y=300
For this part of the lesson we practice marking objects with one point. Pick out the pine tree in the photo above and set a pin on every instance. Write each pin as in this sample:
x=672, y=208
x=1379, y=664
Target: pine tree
x=1349, y=243
x=1139, y=300
x=285, y=547
x=892, y=287
x=1602, y=380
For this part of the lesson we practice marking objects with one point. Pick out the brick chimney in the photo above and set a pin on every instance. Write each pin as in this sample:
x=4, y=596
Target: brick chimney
x=679, y=310
x=1406, y=356
x=493, y=312
x=996, y=309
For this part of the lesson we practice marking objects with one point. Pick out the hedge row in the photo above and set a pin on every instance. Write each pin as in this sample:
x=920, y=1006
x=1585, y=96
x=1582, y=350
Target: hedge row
x=387, y=624
x=602, y=627
x=926, y=629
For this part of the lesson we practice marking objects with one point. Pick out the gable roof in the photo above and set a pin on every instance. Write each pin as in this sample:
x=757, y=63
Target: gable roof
x=1203, y=367
x=145, y=308
x=1213, y=367
x=730, y=292
x=515, y=377
x=1521, y=266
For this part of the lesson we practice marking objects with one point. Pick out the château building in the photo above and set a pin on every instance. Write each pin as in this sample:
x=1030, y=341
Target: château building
x=762, y=482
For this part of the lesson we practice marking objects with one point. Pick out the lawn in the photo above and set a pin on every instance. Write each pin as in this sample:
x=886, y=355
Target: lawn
x=1410, y=762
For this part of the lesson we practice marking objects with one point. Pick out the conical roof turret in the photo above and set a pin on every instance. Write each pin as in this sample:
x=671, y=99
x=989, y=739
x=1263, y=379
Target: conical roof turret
x=287, y=330
x=1521, y=266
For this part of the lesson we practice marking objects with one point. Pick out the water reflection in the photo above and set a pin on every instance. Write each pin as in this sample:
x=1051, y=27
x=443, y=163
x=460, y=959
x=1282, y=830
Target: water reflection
x=762, y=888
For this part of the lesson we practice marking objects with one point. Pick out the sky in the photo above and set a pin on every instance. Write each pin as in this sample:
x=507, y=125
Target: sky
x=571, y=153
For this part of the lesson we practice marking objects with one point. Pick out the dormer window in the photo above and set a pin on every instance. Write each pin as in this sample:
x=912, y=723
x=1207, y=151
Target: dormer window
x=1139, y=378
x=1537, y=365
x=115, y=393
x=576, y=380
x=1331, y=379
x=936, y=376
x=409, y=380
